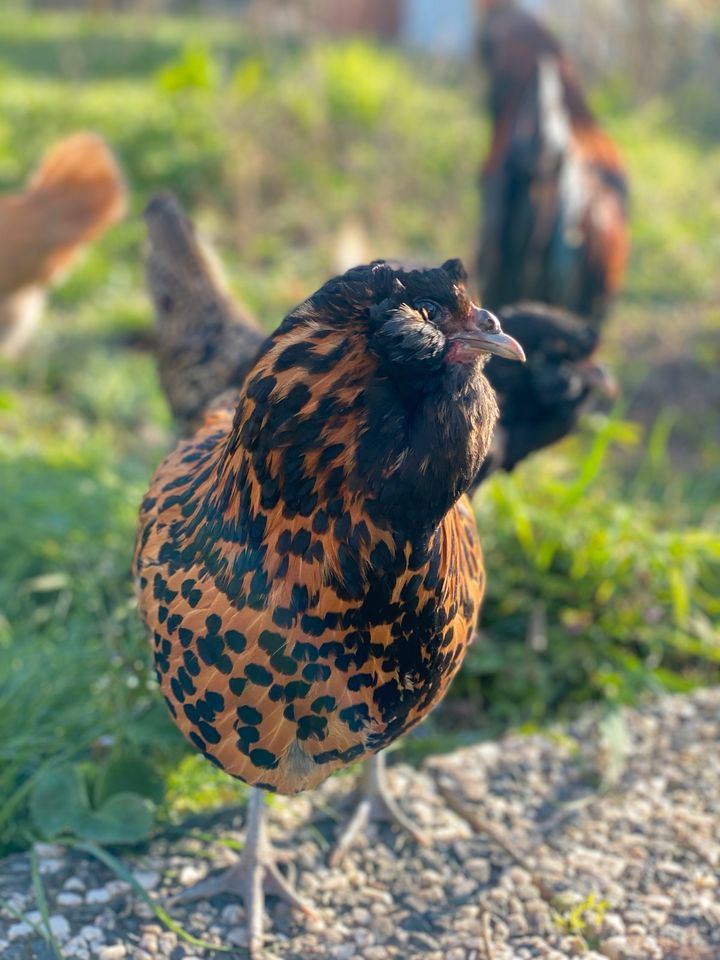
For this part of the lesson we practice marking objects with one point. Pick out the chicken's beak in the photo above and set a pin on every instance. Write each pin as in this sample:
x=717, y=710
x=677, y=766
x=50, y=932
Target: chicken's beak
x=599, y=379
x=486, y=336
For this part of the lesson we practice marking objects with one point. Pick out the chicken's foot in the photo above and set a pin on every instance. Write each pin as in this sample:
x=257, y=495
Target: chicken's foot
x=255, y=874
x=376, y=804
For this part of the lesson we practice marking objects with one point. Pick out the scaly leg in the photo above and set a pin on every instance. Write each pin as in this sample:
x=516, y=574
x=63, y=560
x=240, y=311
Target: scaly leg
x=377, y=803
x=254, y=874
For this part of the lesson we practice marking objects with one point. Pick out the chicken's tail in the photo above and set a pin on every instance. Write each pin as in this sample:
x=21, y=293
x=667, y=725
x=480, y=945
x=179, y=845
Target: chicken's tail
x=179, y=265
x=76, y=193
x=205, y=342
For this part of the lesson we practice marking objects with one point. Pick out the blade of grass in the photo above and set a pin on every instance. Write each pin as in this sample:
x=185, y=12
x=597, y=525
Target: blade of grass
x=41, y=901
x=163, y=916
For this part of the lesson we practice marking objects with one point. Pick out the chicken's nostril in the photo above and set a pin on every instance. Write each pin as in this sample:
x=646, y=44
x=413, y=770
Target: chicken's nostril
x=487, y=322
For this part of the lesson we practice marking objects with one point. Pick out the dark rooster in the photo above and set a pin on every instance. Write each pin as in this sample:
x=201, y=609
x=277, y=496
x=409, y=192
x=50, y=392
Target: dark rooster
x=555, y=194
x=76, y=194
x=307, y=565
x=541, y=401
x=205, y=343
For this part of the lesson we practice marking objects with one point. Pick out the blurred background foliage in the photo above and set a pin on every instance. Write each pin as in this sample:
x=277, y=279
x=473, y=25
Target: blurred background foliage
x=297, y=154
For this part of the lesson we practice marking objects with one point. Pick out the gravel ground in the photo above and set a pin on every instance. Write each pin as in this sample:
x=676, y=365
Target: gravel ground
x=600, y=841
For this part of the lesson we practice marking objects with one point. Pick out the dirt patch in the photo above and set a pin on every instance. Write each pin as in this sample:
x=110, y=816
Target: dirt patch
x=668, y=360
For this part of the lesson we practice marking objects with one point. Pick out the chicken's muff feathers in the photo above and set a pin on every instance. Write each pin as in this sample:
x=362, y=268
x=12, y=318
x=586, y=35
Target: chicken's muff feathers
x=207, y=343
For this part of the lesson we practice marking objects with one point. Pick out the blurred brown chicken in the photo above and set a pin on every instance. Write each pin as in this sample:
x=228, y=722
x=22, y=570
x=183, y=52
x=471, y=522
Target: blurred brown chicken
x=555, y=193
x=76, y=193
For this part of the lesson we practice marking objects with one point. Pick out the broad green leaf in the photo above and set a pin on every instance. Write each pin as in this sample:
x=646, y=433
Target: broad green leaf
x=125, y=771
x=58, y=800
x=125, y=818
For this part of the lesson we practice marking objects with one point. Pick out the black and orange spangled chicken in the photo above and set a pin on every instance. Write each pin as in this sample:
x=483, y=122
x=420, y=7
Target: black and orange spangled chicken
x=308, y=567
x=76, y=194
x=555, y=191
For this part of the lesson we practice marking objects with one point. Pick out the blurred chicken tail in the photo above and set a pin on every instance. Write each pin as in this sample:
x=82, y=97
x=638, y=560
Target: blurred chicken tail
x=76, y=194
x=206, y=343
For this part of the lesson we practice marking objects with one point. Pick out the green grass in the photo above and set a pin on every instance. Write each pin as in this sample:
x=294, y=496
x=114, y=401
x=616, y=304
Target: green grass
x=275, y=147
x=631, y=602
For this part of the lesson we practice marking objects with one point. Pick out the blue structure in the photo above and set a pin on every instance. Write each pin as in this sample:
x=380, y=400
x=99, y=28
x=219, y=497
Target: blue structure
x=447, y=28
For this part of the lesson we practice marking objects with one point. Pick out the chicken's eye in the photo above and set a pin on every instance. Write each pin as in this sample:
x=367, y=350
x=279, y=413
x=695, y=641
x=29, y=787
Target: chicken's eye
x=429, y=309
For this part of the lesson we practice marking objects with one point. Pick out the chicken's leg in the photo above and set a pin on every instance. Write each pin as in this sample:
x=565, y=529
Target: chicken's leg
x=376, y=803
x=255, y=874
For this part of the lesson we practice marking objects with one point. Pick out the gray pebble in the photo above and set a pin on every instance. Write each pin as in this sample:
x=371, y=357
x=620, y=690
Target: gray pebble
x=346, y=951
x=74, y=884
x=148, y=879
x=68, y=899
x=237, y=936
x=97, y=895
x=17, y=931
x=115, y=951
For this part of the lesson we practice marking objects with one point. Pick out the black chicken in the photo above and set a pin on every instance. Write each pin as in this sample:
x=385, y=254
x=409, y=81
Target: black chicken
x=541, y=401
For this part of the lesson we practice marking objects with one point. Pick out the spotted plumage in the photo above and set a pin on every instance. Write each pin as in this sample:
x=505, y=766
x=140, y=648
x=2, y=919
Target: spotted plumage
x=307, y=564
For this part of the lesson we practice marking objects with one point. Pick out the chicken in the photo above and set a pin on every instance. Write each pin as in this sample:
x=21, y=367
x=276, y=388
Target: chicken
x=555, y=192
x=541, y=401
x=75, y=195
x=205, y=343
x=307, y=565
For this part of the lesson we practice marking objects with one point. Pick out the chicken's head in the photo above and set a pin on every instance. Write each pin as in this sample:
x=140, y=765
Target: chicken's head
x=376, y=380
